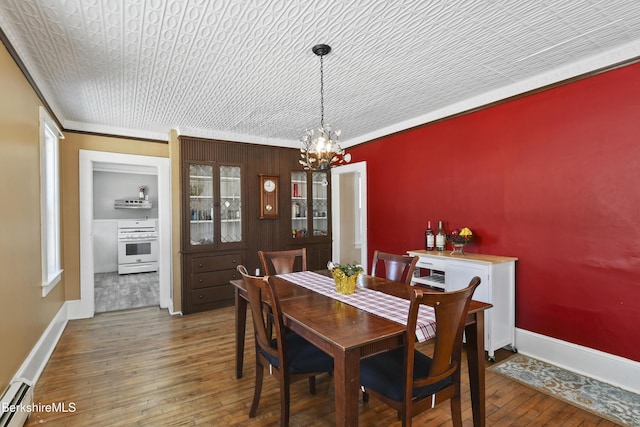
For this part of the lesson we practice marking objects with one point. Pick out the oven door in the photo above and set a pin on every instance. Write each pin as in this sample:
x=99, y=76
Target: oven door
x=137, y=251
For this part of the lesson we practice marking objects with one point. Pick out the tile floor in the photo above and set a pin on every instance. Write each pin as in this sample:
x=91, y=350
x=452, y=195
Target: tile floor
x=120, y=292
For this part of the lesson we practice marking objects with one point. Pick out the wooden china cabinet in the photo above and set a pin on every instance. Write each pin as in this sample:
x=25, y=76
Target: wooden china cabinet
x=310, y=206
x=213, y=237
x=237, y=199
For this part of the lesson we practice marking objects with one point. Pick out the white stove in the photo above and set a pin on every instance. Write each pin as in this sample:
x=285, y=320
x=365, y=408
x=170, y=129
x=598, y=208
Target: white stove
x=137, y=246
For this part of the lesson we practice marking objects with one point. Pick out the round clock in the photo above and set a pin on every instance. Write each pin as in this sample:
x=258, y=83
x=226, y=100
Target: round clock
x=269, y=185
x=268, y=196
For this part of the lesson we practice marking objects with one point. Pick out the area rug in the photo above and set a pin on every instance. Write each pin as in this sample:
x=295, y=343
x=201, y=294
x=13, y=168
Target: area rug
x=612, y=403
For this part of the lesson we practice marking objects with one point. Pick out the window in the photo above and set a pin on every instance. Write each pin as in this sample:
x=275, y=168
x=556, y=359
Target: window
x=50, y=202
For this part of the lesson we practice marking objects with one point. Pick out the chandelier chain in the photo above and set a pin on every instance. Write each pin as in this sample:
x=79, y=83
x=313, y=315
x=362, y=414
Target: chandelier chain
x=321, y=91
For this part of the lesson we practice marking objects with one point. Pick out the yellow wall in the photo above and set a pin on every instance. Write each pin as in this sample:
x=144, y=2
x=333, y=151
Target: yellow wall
x=176, y=220
x=24, y=313
x=70, y=166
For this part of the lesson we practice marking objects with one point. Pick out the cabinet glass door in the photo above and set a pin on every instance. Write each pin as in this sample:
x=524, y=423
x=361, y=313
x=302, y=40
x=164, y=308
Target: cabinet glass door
x=201, y=204
x=319, y=186
x=230, y=205
x=299, y=204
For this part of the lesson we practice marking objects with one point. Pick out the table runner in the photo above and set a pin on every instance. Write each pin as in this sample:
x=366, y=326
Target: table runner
x=384, y=305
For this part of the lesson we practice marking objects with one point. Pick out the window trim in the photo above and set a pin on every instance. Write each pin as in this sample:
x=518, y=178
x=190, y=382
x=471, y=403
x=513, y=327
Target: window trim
x=50, y=278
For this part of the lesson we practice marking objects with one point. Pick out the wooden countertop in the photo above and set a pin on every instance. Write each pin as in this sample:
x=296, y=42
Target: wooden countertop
x=481, y=258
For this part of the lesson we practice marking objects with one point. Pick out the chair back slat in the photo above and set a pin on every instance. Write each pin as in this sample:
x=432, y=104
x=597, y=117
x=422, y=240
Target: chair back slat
x=451, y=312
x=281, y=262
x=398, y=268
x=259, y=293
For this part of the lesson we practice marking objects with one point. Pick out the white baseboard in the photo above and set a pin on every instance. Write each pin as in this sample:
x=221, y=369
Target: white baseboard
x=77, y=310
x=35, y=362
x=605, y=367
x=173, y=313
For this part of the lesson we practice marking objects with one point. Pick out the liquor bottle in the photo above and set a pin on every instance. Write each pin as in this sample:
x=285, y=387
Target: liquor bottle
x=441, y=237
x=429, y=238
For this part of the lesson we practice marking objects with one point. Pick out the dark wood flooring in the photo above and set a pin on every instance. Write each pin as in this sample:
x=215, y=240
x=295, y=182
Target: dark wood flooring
x=143, y=367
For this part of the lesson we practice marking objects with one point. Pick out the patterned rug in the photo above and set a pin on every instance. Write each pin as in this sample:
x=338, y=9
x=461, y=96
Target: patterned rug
x=607, y=401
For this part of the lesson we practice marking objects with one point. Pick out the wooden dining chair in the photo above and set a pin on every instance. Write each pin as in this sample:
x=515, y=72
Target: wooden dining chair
x=288, y=356
x=412, y=382
x=281, y=262
x=398, y=268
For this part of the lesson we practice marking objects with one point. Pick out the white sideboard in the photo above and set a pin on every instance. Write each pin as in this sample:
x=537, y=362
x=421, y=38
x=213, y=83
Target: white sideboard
x=441, y=270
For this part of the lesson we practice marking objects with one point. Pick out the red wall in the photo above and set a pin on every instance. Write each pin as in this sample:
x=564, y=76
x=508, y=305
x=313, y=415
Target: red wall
x=553, y=179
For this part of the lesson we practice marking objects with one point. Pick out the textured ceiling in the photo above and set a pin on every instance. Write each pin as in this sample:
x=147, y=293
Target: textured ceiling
x=243, y=70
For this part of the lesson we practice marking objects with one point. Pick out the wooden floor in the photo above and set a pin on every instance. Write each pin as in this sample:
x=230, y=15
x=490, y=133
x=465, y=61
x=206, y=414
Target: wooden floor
x=145, y=367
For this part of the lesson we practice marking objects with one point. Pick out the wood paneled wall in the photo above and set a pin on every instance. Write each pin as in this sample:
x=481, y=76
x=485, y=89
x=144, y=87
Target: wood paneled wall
x=261, y=234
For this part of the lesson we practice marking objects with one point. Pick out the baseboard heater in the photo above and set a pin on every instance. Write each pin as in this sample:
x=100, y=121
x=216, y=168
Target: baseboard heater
x=17, y=402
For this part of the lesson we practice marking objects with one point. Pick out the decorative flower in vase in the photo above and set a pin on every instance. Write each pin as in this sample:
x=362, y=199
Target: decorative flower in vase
x=345, y=276
x=459, y=238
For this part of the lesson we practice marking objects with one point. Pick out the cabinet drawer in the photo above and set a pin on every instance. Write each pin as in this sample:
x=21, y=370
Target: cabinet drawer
x=213, y=278
x=212, y=294
x=431, y=264
x=213, y=263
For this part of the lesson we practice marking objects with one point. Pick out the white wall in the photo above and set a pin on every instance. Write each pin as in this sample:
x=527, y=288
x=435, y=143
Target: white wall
x=109, y=186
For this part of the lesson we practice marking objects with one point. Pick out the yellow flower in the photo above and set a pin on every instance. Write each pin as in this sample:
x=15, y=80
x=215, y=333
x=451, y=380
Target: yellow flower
x=465, y=232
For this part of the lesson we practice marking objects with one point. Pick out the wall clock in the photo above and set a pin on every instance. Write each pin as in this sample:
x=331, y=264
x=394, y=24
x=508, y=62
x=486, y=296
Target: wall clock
x=269, y=196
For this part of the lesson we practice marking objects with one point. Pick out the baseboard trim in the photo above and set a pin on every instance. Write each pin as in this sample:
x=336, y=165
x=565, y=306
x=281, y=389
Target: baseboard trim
x=609, y=368
x=37, y=359
x=78, y=310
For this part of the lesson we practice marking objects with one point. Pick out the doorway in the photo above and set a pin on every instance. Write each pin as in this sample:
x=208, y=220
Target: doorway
x=349, y=214
x=85, y=307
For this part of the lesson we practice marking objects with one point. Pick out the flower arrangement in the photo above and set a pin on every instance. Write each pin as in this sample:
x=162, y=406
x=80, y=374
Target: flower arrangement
x=345, y=276
x=459, y=238
x=463, y=236
x=347, y=269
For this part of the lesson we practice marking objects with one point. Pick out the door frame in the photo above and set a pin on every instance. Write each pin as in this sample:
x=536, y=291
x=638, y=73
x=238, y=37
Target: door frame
x=361, y=168
x=85, y=307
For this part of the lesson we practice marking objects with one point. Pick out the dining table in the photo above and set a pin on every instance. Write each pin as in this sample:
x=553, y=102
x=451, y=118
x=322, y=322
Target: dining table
x=349, y=333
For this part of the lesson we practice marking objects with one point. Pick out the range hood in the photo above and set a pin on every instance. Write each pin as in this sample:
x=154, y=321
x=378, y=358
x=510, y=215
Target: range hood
x=132, y=204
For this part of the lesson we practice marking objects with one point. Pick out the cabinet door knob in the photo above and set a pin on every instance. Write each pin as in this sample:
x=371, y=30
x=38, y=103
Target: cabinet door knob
x=200, y=280
x=200, y=296
x=200, y=265
x=234, y=261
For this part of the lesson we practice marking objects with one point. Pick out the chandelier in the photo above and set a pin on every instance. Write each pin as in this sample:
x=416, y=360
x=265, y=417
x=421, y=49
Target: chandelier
x=321, y=146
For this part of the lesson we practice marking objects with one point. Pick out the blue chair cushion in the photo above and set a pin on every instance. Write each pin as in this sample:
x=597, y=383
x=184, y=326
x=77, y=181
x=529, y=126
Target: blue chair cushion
x=304, y=357
x=383, y=374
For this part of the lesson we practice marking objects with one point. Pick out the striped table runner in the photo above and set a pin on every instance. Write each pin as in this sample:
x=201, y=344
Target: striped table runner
x=378, y=303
